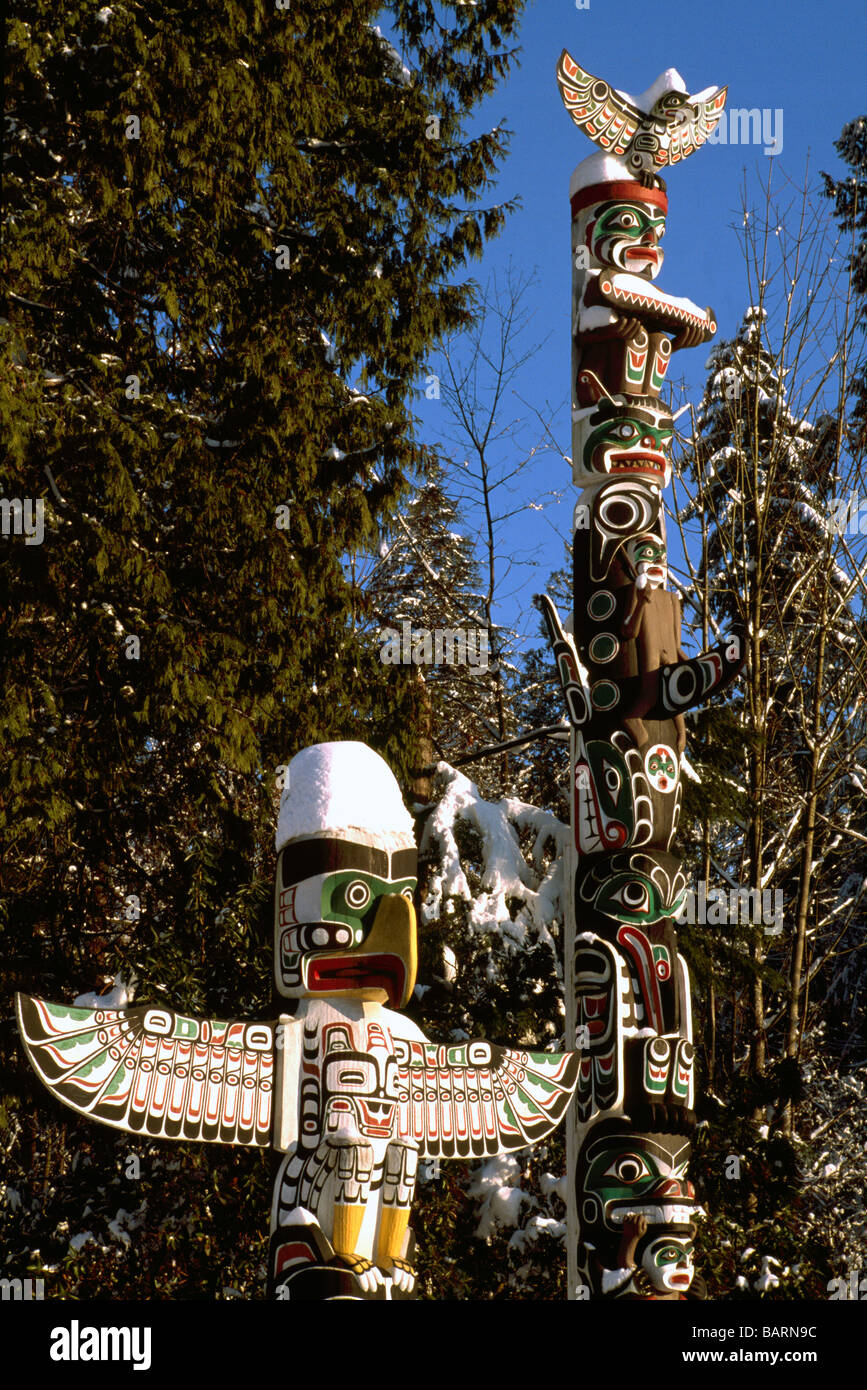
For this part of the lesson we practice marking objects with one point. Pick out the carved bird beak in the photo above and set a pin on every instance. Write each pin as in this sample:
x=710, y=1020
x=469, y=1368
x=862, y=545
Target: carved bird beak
x=394, y=933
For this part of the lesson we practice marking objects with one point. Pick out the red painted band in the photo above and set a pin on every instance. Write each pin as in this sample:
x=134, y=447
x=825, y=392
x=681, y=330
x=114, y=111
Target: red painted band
x=613, y=192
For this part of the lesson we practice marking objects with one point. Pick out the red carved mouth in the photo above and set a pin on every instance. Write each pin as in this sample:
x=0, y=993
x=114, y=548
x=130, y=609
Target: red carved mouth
x=650, y=254
x=655, y=573
x=356, y=972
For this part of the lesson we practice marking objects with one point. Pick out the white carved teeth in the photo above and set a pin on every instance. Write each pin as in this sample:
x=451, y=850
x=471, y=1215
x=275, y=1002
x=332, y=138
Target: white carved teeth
x=667, y=1215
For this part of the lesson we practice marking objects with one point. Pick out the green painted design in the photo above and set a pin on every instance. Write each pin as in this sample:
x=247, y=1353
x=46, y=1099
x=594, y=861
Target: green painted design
x=95, y=1064
x=679, y=1086
x=661, y=957
x=530, y=1106
x=633, y=897
x=657, y=378
x=671, y=1254
x=634, y=374
x=654, y=1085
x=352, y=896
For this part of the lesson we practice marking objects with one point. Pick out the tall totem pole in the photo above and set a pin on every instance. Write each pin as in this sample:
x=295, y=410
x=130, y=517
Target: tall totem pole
x=627, y=683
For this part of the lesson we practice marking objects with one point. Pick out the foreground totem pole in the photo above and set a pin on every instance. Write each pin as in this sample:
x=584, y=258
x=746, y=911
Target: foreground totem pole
x=349, y=1092
x=631, y=1208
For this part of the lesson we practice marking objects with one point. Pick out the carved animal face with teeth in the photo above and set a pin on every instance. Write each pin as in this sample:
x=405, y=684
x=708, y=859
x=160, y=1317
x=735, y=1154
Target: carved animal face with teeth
x=622, y=1175
x=629, y=439
x=636, y=1174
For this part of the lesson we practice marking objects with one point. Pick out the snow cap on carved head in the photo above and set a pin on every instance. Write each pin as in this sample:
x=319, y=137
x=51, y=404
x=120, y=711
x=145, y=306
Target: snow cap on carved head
x=343, y=791
x=603, y=176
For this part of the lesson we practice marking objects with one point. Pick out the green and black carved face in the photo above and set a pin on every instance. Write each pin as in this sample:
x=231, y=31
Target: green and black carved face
x=621, y=1173
x=626, y=236
x=345, y=922
x=667, y=1259
x=634, y=888
x=628, y=439
x=647, y=558
x=662, y=767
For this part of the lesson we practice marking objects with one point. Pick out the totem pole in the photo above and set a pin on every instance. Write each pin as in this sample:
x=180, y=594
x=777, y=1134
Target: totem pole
x=348, y=1092
x=627, y=683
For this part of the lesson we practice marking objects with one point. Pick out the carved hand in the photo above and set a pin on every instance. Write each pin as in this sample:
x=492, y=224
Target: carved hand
x=634, y=1227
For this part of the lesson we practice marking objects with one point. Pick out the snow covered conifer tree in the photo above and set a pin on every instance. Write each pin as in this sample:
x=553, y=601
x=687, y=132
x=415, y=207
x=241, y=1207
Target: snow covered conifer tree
x=783, y=905
x=491, y=965
x=777, y=564
x=426, y=605
x=770, y=462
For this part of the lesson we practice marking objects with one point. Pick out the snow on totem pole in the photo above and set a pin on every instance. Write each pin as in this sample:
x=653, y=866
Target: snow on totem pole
x=627, y=683
x=347, y=1091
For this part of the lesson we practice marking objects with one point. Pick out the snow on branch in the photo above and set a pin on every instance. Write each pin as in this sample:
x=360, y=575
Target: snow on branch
x=505, y=874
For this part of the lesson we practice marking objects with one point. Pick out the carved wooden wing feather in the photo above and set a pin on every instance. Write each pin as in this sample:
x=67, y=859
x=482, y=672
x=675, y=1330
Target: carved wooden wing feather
x=477, y=1099
x=691, y=134
x=155, y=1072
x=595, y=107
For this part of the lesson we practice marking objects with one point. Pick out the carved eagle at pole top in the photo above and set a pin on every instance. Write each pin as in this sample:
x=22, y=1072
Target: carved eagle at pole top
x=662, y=126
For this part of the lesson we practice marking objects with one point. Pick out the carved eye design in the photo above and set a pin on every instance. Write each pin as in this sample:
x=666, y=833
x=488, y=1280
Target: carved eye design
x=626, y=431
x=626, y=219
x=629, y=1169
x=671, y=1255
x=633, y=896
x=612, y=778
x=357, y=894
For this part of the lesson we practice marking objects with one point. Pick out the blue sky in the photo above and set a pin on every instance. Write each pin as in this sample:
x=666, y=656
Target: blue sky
x=805, y=59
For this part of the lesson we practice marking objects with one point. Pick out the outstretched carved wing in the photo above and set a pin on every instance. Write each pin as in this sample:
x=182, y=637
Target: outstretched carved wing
x=609, y=119
x=690, y=134
x=612, y=122
x=155, y=1072
x=477, y=1099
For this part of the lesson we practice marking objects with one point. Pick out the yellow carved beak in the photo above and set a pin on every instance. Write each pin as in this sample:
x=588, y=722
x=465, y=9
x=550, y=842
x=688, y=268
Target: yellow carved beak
x=394, y=933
